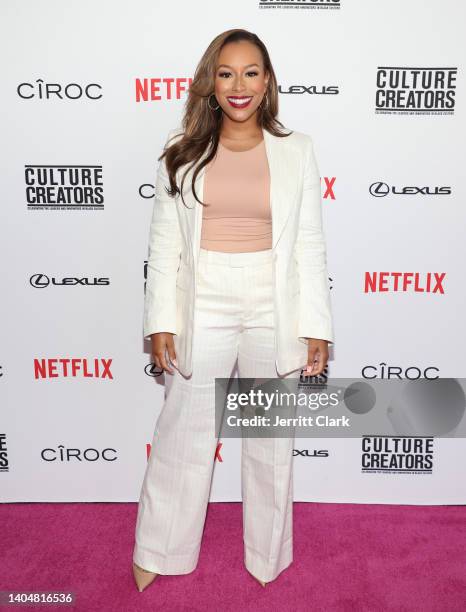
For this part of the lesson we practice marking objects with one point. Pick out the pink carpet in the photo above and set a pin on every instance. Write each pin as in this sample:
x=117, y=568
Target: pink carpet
x=347, y=557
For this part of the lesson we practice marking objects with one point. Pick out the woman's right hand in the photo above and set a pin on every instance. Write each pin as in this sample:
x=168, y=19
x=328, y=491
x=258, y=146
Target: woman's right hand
x=162, y=343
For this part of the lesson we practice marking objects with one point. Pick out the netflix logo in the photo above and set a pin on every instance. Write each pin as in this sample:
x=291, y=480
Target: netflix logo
x=161, y=88
x=415, y=282
x=72, y=368
x=329, y=193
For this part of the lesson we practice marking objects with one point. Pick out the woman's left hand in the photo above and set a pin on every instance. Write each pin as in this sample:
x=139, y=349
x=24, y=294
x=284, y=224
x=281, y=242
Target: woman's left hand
x=317, y=356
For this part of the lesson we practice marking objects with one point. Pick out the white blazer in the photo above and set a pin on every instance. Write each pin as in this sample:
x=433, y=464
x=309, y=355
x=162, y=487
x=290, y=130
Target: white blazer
x=301, y=289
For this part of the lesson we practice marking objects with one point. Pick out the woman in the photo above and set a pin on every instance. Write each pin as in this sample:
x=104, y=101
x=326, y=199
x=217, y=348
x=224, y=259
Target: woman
x=236, y=274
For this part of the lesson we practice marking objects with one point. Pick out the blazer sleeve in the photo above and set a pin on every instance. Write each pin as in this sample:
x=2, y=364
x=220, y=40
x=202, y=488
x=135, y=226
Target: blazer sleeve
x=315, y=316
x=163, y=261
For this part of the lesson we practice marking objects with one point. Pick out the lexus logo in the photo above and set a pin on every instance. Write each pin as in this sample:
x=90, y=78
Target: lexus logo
x=152, y=370
x=311, y=89
x=40, y=281
x=380, y=189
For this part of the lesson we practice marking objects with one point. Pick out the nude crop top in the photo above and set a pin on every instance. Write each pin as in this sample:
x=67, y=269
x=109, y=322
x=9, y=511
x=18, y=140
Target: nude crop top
x=237, y=187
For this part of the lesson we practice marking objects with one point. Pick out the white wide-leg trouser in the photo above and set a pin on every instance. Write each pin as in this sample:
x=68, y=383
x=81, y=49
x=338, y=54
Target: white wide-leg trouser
x=234, y=320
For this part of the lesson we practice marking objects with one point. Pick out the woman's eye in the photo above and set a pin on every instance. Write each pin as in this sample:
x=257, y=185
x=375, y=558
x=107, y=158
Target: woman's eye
x=251, y=72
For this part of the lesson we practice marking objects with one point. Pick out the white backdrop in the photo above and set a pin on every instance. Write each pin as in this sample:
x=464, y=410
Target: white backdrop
x=76, y=127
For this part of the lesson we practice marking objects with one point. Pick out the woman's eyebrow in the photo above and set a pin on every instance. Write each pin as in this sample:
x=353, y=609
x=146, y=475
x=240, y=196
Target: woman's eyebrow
x=227, y=66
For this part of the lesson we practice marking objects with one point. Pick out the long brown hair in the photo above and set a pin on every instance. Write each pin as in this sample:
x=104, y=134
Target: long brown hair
x=201, y=125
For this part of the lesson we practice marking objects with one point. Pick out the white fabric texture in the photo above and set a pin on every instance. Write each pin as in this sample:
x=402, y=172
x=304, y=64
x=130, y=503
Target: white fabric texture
x=234, y=320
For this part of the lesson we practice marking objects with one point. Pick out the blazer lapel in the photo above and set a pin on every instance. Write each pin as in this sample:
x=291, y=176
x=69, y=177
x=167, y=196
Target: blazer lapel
x=283, y=184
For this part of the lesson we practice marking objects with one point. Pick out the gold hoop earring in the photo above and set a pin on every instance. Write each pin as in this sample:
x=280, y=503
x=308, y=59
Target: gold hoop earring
x=208, y=103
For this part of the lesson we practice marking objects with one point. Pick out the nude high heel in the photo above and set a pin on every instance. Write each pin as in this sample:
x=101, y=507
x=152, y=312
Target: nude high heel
x=143, y=577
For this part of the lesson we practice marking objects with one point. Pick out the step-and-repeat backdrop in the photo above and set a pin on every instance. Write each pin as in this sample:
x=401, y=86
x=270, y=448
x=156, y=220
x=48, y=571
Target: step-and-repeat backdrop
x=89, y=92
